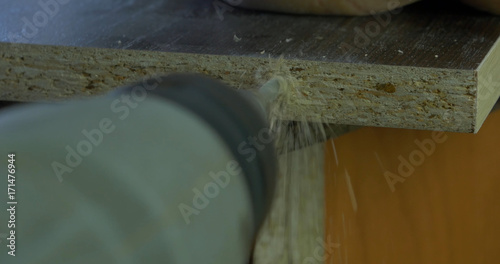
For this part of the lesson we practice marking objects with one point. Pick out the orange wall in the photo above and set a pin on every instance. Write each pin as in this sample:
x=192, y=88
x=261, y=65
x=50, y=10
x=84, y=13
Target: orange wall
x=446, y=211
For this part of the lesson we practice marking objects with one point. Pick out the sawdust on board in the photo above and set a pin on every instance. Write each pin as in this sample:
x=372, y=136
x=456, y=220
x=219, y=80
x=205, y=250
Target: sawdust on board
x=295, y=224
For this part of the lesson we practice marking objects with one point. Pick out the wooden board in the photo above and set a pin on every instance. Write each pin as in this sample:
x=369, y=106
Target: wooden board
x=444, y=210
x=424, y=67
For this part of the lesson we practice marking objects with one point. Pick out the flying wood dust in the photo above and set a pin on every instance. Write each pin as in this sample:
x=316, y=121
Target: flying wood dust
x=295, y=226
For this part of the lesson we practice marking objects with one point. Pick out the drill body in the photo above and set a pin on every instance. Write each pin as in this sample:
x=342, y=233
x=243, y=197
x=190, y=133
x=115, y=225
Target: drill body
x=164, y=171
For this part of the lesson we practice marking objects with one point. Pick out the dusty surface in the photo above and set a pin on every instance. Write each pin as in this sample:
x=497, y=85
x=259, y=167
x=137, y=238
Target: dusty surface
x=341, y=93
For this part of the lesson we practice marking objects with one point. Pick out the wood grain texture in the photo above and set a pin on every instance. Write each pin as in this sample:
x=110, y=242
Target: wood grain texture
x=446, y=211
x=420, y=67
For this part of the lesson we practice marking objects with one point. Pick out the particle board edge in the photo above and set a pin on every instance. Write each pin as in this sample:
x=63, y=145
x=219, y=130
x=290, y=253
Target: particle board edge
x=339, y=93
x=488, y=75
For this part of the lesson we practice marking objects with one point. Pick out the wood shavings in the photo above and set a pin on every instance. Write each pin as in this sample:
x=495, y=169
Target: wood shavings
x=296, y=219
